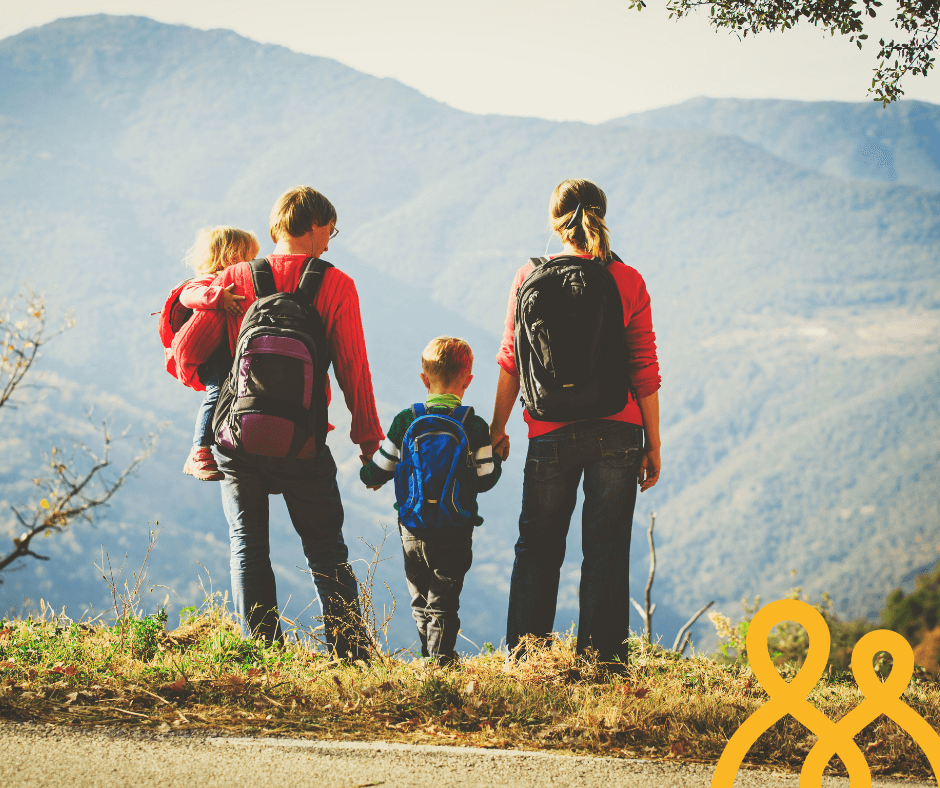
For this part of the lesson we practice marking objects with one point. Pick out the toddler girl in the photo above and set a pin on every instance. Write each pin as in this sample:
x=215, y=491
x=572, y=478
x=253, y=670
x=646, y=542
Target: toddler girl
x=215, y=248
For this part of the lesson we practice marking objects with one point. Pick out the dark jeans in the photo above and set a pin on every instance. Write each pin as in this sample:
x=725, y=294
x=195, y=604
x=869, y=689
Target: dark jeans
x=607, y=453
x=316, y=512
x=212, y=374
x=435, y=569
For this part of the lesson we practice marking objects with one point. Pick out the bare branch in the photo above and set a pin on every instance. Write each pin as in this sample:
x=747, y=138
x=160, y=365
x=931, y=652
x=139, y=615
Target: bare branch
x=23, y=327
x=685, y=629
x=70, y=495
x=650, y=609
x=637, y=606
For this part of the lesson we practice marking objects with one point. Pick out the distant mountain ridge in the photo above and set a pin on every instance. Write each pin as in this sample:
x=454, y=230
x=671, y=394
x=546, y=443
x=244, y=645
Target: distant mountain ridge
x=794, y=284
x=897, y=144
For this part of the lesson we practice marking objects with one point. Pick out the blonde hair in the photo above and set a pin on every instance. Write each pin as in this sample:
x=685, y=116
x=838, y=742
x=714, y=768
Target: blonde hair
x=298, y=210
x=590, y=233
x=446, y=358
x=217, y=247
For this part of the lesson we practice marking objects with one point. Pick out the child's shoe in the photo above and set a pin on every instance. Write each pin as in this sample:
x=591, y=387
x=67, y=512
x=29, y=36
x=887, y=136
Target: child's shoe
x=201, y=464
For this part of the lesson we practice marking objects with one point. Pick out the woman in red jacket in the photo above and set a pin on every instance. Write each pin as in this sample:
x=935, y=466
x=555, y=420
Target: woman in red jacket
x=613, y=454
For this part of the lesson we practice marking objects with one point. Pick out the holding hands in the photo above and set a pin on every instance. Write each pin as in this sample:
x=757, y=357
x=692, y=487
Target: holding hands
x=500, y=441
x=365, y=459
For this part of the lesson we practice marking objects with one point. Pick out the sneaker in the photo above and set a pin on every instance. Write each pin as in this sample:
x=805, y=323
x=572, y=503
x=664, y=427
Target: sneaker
x=201, y=465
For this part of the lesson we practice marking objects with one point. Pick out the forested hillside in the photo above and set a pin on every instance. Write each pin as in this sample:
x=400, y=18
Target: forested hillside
x=791, y=261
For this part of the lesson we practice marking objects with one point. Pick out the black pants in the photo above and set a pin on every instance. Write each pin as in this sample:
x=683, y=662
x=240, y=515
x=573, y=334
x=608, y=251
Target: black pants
x=435, y=569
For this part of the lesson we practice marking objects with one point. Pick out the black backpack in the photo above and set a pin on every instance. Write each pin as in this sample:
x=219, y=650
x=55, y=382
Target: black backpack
x=570, y=342
x=274, y=400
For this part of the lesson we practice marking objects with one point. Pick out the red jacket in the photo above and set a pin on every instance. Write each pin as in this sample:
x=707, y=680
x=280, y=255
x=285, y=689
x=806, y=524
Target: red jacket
x=196, y=294
x=337, y=302
x=641, y=341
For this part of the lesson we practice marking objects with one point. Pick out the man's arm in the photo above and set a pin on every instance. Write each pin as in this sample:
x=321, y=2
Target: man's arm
x=351, y=367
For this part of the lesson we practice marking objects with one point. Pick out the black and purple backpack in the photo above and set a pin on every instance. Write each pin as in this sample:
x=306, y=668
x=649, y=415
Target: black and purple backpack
x=273, y=402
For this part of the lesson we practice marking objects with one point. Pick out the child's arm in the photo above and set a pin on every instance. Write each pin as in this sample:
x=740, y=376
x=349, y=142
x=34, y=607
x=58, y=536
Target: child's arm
x=489, y=465
x=202, y=294
x=381, y=468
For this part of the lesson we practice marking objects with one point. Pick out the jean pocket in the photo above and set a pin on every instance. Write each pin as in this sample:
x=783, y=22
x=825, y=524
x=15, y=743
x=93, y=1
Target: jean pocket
x=542, y=469
x=620, y=458
x=620, y=450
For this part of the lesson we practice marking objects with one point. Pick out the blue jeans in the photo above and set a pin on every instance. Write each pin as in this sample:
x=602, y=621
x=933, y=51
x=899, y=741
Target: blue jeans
x=607, y=453
x=212, y=374
x=316, y=512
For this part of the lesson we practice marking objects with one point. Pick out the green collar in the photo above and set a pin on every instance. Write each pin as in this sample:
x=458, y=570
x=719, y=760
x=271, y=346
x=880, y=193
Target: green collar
x=442, y=401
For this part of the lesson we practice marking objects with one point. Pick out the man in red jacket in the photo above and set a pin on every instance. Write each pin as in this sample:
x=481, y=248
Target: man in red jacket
x=302, y=223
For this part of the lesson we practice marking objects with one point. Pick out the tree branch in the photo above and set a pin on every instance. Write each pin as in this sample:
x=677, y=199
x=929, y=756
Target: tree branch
x=23, y=336
x=917, y=22
x=685, y=629
x=70, y=493
x=68, y=497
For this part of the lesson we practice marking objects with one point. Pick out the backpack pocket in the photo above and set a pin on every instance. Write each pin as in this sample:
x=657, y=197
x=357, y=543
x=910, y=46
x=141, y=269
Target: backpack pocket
x=272, y=398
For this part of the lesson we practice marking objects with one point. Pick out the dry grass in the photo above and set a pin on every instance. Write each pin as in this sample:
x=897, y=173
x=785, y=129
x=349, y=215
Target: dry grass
x=203, y=675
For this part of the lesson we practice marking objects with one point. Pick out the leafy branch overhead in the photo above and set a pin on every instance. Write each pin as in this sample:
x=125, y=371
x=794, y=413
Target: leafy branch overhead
x=76, y=485
x=917, y=23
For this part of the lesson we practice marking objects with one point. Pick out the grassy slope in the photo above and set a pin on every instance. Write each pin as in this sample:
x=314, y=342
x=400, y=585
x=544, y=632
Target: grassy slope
x=205, y=676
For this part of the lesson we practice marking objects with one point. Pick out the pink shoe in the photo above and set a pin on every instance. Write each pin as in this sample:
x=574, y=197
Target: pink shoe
x=201, y=465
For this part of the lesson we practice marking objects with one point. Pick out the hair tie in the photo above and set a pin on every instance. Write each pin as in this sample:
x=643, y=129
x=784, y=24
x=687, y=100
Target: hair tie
x=576, y=219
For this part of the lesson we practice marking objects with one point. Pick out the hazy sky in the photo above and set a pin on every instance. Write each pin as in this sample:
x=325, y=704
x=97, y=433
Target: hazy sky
x=585, y=60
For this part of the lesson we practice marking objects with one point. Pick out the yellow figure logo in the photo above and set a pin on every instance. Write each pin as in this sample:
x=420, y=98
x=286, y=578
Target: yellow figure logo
x=835, y=738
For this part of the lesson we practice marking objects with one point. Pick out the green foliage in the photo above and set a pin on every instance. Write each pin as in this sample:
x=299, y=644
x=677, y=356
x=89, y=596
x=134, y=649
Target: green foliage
x=917, y=23
x=788, y=641
x=914, y=614
x=226, y=647
x=144, y=634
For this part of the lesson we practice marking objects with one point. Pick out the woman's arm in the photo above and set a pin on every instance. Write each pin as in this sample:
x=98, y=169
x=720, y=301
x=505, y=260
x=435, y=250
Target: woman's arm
x=651, y=464
x=507, y=391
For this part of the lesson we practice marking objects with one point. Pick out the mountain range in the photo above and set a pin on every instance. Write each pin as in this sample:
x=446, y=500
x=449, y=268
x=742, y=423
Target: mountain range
x=790, y=250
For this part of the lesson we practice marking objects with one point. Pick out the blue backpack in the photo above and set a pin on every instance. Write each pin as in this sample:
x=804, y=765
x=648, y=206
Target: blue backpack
x=435, y=471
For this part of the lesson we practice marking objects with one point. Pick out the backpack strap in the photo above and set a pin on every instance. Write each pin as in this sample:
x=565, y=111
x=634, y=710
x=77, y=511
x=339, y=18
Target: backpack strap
x=462, y=413
x=419, y=409
x=262, y=277
x=538, y=261
x=312, y=278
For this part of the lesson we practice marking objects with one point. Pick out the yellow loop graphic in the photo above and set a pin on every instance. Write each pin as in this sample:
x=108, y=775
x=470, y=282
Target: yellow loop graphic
x=834, y=738
x=880, y=698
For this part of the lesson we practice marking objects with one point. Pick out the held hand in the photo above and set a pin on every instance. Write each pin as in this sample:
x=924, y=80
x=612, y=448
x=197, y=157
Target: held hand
x=366, y=459
x=230, y=302
x=650, y=466
x=500, y=442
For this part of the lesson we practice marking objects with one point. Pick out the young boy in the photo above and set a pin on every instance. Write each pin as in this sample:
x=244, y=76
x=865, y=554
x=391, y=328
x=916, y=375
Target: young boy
x=437, y=547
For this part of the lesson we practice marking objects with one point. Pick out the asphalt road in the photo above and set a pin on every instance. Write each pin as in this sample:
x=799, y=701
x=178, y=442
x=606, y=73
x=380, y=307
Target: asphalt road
x=59, y=757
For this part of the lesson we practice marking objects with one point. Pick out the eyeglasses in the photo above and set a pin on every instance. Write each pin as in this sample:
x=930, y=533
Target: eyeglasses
x=334, y=232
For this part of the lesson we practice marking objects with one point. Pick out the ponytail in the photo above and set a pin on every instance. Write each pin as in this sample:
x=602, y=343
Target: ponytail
x=577, y=211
